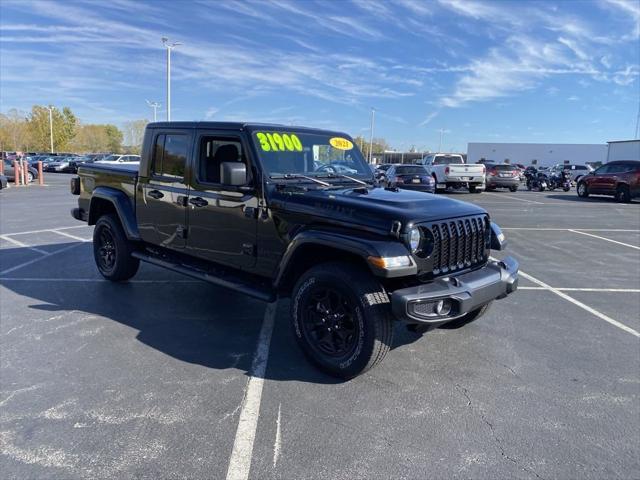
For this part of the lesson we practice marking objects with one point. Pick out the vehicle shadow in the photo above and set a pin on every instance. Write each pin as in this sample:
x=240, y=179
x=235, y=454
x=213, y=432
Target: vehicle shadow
x=589, y=199
x=191, y=321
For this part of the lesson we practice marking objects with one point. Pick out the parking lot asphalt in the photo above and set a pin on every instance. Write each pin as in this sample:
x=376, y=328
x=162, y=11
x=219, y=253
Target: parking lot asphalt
x=167, y=377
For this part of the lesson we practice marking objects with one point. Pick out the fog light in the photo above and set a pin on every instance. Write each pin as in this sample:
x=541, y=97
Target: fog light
x=443, y=307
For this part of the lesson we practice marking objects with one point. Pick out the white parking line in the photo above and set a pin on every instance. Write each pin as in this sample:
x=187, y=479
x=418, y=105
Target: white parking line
x=23, y=245
x=240, y=461
x=45, y=230
x=568, y=229
x=593, y=311
x=572, y=289
x=35, y=260
x=68, y=235
x=607, y=239
x=513, y=198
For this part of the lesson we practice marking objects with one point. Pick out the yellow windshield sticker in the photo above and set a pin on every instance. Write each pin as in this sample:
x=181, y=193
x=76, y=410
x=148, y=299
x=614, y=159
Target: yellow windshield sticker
x=341, y=143
x=279, y=142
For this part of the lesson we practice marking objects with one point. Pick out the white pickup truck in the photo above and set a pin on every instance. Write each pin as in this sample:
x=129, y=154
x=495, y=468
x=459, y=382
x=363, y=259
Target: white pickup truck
x=449, y=170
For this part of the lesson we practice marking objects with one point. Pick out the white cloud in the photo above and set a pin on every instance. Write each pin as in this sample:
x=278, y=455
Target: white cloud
x=573, y=98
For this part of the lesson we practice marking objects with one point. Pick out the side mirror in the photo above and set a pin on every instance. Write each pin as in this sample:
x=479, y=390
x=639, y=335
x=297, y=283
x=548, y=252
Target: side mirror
x=233, y=173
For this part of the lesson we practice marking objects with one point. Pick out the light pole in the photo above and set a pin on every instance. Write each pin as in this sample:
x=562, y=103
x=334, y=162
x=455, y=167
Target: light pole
x=373, y=116
x=50, y=108
x=440, y=144
x=169, y=46
x=155, y=106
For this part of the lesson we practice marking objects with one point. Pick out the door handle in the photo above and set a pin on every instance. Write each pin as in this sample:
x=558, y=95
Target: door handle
x=156, y=194
x=198, y=202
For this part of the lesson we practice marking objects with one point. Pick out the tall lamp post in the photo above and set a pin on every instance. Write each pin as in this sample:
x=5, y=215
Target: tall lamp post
x=155, y=106
x=373, y=116
x=50, y=108
x=169, y=46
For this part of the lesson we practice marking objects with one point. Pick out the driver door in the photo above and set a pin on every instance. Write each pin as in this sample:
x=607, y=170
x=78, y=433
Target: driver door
x=222, y=219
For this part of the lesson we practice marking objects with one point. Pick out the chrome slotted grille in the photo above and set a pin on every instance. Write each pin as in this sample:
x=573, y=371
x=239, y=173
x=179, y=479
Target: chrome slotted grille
x=459, y=244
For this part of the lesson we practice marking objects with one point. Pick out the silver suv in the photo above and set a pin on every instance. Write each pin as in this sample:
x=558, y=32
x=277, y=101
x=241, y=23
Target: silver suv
x=576, y=171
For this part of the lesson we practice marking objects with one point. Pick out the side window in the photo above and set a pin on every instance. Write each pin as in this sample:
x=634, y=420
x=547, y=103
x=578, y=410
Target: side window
x=170, y=155
x=603, y=169
x=617, y=168
x=213, y=152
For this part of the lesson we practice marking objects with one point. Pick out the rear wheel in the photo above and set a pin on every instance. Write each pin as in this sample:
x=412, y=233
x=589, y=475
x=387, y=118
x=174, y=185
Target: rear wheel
x=112, y=250
x=583, y=190
x=29, y=177
x=466, y=319
x=341, y=319
x=623, y=194
x=513, y=188
x=473, y=189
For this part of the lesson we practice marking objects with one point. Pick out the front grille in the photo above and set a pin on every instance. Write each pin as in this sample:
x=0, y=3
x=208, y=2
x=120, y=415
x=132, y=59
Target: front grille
x=459, y=244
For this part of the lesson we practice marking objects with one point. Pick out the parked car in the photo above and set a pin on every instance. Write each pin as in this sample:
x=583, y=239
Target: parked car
x=4, y=182
x=61, y=165
x=119, y=159
x=576, y=171
x=449, y=170
x=354, y=258
x=409, y=177
x=32, y=173
x=502, y=176
x=620, y=179
x=381, y=170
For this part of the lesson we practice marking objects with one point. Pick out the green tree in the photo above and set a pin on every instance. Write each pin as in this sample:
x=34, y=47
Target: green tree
x=13, y=131
x=134, y=134
x=64, y=128
x=115, y=138
x=379, y=145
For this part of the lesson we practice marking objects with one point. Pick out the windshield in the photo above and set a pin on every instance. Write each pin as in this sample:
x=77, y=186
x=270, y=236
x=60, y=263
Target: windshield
x=504, y=167
x=311, y=154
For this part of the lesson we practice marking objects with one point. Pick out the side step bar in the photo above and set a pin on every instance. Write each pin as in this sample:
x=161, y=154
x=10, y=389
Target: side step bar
x=231, y=282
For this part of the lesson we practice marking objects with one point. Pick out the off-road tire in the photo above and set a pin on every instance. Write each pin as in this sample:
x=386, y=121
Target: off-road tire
x=623, y=194
x=582, y=190
x=112, y=250
x=371, y=317
x=466, y=319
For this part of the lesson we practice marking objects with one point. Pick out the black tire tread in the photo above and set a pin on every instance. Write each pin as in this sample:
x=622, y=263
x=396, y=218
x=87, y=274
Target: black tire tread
x=126, y=266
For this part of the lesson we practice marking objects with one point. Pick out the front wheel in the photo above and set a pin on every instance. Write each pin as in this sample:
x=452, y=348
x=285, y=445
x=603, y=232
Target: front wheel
x=466, y=319
x=112, y=250
x=29, y=177
x=582, y=190
x=513, y=188
x=341, y=319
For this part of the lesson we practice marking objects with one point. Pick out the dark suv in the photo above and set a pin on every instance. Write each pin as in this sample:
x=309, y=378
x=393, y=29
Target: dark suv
x=620, y=179
x=263, y=210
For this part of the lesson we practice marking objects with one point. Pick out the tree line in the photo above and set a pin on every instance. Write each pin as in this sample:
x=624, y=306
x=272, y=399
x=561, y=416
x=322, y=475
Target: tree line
x=30, y=132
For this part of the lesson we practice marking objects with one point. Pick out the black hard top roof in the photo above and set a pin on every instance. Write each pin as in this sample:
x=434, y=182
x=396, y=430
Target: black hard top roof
x=236, y=126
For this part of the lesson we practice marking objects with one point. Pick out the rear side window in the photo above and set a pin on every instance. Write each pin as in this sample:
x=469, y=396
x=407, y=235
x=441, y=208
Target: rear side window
x=170, y=155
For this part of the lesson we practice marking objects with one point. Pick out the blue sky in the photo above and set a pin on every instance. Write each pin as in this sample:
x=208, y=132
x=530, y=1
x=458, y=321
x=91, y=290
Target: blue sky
x=564, y=71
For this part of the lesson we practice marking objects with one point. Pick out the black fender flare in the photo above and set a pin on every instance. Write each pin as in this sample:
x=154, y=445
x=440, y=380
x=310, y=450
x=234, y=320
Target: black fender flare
x=122, y=204
x=349, y=243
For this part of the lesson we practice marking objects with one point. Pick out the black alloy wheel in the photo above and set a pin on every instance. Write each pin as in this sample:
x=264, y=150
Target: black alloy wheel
x=328, y=321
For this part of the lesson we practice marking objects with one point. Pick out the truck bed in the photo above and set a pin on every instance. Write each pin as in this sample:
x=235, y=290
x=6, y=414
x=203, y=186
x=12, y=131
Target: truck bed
x=123, y=178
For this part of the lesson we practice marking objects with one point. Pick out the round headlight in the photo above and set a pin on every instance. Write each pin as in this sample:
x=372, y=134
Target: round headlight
x=415, y=237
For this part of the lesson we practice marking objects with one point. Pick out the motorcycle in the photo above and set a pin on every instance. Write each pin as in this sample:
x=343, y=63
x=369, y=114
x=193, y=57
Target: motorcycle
x=561, y=179
x=536, y=180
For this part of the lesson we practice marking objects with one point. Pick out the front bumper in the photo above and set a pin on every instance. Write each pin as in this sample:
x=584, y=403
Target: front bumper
x=466, y=292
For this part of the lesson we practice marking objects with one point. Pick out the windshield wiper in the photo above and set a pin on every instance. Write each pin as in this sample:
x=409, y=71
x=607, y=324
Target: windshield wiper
x=342, y=175
x=297, y=175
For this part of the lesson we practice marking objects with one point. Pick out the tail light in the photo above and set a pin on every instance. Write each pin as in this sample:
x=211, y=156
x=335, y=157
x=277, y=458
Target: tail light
x=483, y=169
x=492, y=173
x=446, y=170
x=399, y=180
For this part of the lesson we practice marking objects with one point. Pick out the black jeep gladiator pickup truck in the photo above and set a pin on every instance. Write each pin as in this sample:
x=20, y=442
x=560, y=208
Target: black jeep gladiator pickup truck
x=272, y=210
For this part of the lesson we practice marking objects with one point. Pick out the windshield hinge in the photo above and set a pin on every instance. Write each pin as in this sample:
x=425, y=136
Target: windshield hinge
x=396, y=227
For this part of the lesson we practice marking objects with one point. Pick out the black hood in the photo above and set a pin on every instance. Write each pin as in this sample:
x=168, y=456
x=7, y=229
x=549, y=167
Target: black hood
x=377, y=209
